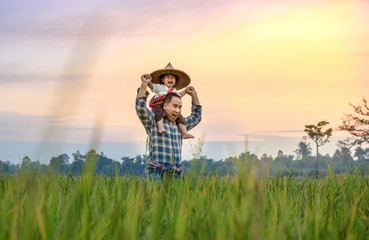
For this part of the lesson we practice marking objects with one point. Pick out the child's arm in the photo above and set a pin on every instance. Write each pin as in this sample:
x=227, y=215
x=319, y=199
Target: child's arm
x=182, y=93
x=150, y=85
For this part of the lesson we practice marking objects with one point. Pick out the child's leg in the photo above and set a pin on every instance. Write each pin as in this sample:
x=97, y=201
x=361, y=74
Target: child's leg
x=159, y=118
x=160, y=125
x=184, y=132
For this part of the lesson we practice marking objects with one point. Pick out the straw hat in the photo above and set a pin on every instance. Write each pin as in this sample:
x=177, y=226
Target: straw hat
x=183, y=80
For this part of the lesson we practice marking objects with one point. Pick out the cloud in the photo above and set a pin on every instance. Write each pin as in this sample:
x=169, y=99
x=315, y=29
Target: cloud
x=266, y=135
x=96, y=19
x=87, y=26
x=31, y=127
x=61, y=128
x=279, y=131
x=15, y=119
x=101, y=18
x=16, y=78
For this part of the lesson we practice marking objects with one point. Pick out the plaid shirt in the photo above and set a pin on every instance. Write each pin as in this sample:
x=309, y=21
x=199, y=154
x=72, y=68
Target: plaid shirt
x=165, y=147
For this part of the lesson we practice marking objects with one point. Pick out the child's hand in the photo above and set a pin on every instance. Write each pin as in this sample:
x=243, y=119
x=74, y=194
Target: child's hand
x=146, y=78
x=190, y=90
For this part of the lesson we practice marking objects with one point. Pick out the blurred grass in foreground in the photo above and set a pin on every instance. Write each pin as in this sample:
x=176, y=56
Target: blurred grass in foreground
x=242, y=206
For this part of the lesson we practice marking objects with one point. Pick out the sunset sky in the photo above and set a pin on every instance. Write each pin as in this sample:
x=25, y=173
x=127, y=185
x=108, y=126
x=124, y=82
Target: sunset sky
x=69, y=71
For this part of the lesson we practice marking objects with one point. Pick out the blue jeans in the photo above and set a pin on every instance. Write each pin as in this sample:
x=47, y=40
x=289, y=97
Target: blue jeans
x=160, y=174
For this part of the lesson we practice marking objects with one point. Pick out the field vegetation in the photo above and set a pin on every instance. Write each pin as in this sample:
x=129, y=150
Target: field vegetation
x=239, y=206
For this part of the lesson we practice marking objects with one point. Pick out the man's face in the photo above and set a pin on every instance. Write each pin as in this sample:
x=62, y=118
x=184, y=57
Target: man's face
x=169, y=80
x=173, y=109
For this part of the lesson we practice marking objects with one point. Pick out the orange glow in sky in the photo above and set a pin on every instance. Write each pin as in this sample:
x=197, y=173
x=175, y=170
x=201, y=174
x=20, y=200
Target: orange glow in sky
x=258, y=67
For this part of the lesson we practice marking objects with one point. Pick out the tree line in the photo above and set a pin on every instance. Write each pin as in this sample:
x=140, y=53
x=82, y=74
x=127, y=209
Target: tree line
x=302, y=163
x=351, y=156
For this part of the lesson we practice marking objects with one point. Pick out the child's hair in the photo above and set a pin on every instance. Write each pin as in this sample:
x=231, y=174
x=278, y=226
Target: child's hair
x=169, y=97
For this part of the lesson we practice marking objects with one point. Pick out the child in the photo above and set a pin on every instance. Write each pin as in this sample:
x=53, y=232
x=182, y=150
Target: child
x=164, y=81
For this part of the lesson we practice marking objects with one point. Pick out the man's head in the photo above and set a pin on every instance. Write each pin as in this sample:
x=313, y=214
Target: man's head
x=172, y=106
x=168, y=80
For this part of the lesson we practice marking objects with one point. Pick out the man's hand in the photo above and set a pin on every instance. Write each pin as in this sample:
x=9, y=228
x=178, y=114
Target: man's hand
x=146, y=79
x=190, y=91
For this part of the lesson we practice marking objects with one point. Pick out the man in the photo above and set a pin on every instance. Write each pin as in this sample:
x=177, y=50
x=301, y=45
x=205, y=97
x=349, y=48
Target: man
x=165, y=149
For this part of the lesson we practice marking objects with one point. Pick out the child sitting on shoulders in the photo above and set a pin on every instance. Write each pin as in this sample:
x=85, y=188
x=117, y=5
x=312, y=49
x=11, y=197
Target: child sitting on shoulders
x=165, y=81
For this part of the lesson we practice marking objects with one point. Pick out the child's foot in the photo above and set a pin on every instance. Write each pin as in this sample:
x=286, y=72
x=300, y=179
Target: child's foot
x=162, y=130
x=187, y=136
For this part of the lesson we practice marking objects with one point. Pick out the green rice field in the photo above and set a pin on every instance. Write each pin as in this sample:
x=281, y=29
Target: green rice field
x=241, y=206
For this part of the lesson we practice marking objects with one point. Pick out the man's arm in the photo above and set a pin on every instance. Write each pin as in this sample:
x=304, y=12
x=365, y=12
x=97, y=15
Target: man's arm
x=146, y=81
x=192, y=92
x=143, y=113
x=195, y=117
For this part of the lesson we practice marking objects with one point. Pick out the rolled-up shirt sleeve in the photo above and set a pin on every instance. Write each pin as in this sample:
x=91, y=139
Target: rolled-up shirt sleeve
x=144, y=114
x=195, y=117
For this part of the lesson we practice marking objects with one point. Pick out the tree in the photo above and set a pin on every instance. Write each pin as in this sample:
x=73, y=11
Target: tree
x=55, y=165
x=64, y=158
x=362, y=154
x=357, y=124
x=59, y=164
x=4, y=168
x=282, y=162
x=26, y=164
x=265, y=161
x=78, y=156
x=91, y=160
x=343, y=155
x=319, y=137
x=77, y=167
x=303, y=150
x=128, y=165
x=140, y=163
x=140, y=160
